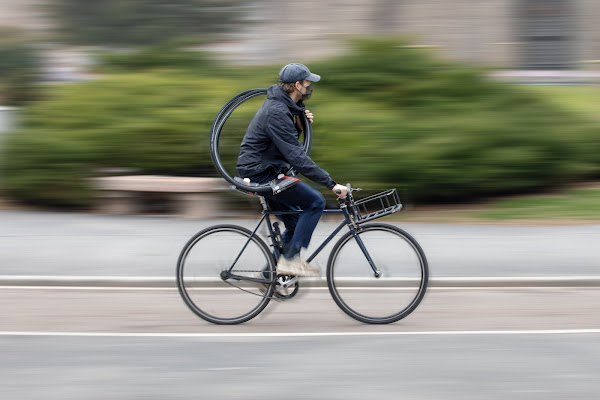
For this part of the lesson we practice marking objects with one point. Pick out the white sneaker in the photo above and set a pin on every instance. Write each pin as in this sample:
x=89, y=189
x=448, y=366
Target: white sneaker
x=296, y=266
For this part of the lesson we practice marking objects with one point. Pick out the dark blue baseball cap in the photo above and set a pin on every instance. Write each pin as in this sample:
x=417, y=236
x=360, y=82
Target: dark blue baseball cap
x=296, y=72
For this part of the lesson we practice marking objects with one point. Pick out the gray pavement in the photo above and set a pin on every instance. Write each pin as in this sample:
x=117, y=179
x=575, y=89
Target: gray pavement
x=34, y=243
x=461, y=343
x=503, y=343
x=453, y=367
x=162, y=311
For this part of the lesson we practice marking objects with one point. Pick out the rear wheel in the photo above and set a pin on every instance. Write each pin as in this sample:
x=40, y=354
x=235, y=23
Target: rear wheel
x=207, y=288
x=396, y=292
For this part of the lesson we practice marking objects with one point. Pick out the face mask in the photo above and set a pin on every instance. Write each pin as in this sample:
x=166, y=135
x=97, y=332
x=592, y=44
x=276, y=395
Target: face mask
x=308, y=93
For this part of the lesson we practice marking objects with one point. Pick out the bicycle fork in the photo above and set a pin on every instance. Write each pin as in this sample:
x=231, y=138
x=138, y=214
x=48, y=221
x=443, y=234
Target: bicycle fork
x=354, y=230
x=363, y=248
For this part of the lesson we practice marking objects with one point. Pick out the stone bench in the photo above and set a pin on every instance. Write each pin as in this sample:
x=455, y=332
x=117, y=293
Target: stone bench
x=191, y=197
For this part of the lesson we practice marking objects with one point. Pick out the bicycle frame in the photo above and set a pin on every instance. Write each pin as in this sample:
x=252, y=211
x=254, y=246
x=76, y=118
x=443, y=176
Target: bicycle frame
x=272, y=235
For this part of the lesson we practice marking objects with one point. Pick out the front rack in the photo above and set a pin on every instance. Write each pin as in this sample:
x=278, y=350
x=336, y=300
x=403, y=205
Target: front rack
x=375, y=206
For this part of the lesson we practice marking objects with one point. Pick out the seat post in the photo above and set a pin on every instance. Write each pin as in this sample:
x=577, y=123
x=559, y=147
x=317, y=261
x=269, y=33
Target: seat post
x=263, y=202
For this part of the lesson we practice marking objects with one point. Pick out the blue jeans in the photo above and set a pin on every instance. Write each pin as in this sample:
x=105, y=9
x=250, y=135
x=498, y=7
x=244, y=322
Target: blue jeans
x=298, y=227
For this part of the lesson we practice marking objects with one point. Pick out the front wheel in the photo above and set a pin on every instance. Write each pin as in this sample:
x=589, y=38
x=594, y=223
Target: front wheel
x=205, y=271
x=403, y=274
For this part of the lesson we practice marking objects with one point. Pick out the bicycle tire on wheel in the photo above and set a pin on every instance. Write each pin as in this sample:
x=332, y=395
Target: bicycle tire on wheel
x=199, y=280
x=219, y=123
x=378, y=300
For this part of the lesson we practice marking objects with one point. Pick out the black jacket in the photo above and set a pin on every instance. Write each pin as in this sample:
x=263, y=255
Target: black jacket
x=271, y=141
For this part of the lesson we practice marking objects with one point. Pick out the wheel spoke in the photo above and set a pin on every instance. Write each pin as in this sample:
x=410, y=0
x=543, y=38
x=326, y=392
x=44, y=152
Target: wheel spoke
x=200, y=281
x=384, y=299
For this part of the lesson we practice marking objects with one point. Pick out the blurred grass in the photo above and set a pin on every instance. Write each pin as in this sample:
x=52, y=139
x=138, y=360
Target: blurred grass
x=583, y=100
x=576, y=205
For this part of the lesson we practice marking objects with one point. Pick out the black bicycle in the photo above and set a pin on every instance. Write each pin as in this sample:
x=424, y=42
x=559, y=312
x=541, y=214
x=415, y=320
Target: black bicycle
x=376, y=272
x=226, y=274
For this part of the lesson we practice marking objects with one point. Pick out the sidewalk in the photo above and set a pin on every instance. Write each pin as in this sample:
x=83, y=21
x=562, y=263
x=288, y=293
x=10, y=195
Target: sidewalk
x=170, y=282
x=85, y=249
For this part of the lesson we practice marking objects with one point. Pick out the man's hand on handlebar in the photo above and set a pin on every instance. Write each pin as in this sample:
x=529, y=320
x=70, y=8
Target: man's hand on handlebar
x=340, y=190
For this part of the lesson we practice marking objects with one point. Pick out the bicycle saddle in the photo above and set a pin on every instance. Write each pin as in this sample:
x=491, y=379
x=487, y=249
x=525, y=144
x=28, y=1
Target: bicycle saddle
x=278, y=185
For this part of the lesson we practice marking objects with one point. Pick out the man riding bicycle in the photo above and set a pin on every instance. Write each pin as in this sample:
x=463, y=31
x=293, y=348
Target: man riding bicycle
x=271, y=147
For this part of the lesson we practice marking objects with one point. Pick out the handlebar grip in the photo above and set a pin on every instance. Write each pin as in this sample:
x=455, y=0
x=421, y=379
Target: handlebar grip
x=338, y=191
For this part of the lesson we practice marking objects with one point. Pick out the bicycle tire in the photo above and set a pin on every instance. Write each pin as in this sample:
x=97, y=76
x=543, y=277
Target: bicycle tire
x=378, y=300
x=221, y=119
x=199, y=280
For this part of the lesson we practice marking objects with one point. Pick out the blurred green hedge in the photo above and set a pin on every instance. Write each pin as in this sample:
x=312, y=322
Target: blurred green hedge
x=151, y=123
x=386, y=115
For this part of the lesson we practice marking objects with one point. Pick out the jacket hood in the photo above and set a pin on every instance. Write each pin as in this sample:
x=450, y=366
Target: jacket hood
x=276, y=93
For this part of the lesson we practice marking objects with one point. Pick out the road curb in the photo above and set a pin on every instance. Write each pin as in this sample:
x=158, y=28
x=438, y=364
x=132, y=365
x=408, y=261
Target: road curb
x=169, y=282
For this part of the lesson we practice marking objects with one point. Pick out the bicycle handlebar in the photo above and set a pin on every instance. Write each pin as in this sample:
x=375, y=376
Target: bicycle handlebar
x=348, y=197
x=347, y=186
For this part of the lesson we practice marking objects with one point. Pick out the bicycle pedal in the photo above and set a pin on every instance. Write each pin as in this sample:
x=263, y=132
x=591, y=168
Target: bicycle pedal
x=286, y=280
x=286, y=287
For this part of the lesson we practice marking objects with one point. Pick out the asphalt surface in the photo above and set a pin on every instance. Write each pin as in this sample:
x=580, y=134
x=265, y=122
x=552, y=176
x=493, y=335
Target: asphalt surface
x=76, y=244
x=448, y=367
x=159, y=311
x=101, y=343
x=512, y=341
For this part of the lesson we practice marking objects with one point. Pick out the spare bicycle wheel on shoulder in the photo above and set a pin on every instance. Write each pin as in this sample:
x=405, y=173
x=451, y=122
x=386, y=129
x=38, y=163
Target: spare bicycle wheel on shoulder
x=228, y=130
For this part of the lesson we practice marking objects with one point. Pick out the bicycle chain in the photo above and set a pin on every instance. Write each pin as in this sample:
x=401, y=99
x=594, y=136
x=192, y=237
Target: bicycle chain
x=276, y=298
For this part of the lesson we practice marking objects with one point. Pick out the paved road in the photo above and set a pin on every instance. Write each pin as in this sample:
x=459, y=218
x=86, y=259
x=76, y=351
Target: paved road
x=537, y=343
x=43, y=243
x=99, y=343
x=449, y=367
x=313, y=310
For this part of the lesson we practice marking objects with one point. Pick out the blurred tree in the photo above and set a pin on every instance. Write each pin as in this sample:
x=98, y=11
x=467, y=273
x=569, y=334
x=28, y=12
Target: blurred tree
x=19, y=68
x=142, y=22
x=170, y=53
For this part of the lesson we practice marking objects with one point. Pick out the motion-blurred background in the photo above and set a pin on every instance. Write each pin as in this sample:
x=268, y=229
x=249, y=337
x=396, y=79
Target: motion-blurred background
x=448, y=101
x=475, y=110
